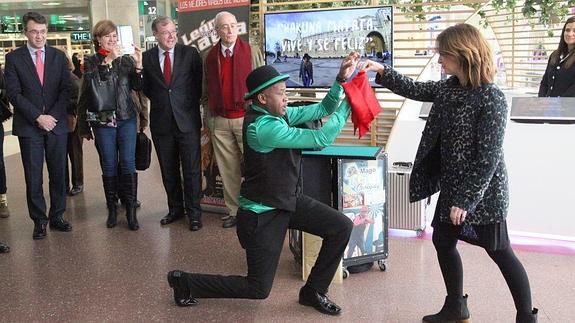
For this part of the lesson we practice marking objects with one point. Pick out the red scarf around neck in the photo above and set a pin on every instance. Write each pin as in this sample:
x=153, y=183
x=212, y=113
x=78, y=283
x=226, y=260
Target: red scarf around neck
x=242, y=66
x=103, y=52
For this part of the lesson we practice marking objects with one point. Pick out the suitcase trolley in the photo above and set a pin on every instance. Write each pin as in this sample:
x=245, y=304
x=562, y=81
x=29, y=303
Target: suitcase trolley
x=362, y=196
x=403, y=214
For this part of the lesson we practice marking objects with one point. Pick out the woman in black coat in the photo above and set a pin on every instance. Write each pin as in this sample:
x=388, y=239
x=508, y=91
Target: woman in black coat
x=461, y=153
x=559, y=76
x=114, y=131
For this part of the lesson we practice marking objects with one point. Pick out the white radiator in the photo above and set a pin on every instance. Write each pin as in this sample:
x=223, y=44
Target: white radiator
x=402, y=214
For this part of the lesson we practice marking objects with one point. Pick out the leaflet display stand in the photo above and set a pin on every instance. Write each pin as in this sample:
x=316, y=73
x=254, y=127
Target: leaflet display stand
x=353, y=180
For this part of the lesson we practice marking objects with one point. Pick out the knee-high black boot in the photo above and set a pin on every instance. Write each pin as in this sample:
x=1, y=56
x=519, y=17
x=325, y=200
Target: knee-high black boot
x=454, y=310
x=110, y=191
x=527, y=317
x=129, y=184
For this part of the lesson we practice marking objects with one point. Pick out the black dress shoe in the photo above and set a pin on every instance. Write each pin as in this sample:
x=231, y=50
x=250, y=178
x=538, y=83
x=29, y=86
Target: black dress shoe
x=4, y=248
x=39, y=231
x=195, y=225
x=182, y=295
x=230, y=222
x=60, y=225
x=76, y=190
x=171, y=217
x=310, y=297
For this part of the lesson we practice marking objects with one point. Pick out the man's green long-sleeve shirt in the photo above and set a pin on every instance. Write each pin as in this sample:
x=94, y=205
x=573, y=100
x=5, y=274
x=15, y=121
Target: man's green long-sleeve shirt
x=269, y=132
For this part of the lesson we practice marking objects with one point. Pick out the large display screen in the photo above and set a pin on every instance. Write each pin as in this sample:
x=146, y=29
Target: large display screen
x=543, y=110
x=309, y=45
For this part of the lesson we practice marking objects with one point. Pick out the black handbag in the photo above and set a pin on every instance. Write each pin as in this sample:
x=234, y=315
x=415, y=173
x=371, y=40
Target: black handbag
x=5, y=112
x=143, y=151
x=103, y=92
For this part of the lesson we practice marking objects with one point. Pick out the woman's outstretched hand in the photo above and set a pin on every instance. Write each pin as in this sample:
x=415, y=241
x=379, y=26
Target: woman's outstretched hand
x=369, y=65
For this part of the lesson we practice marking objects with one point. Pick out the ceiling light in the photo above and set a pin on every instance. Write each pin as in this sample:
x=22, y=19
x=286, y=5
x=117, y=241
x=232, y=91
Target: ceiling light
x=51, y=3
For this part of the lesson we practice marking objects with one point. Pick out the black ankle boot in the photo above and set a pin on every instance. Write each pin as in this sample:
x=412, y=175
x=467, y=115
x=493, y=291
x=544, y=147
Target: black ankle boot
x=129, y=183
x=527, y=317
x=454, y=310
x=111, y=191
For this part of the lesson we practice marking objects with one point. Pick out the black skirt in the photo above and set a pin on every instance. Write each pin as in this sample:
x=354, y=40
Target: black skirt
x=491, y=236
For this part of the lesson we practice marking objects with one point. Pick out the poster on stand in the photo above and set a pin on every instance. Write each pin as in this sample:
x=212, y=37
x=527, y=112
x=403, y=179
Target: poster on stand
x=363, y=196
x=196, y=28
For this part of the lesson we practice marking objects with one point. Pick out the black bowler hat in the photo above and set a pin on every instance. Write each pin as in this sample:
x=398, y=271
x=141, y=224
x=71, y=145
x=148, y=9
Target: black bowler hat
x=261, y=78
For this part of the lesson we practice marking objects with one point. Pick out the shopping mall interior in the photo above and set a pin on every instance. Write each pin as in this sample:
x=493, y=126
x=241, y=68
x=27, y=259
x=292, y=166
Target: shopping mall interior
x=98, y=274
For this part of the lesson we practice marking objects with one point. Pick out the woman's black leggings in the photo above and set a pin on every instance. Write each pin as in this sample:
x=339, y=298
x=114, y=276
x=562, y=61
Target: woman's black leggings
x=511, y=268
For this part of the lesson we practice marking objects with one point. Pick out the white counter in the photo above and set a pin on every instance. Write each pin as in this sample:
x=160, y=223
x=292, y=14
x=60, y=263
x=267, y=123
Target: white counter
x=540, y=160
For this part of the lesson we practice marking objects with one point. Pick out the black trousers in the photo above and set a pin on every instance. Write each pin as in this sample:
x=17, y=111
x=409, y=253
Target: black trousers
x=181, y=151
x=33, y=150
x=262, y=236
x=76, y=156
x=3, y=187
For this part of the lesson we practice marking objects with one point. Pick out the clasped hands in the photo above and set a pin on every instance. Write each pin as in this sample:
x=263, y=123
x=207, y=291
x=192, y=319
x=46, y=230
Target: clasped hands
x=46, y=122
x=352, y=61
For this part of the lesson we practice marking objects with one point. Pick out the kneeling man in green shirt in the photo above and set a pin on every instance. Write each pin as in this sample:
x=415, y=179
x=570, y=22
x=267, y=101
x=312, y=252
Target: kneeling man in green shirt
x=270, y=201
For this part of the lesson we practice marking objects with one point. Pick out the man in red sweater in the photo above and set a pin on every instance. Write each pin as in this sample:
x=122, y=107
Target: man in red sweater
x=226, y=67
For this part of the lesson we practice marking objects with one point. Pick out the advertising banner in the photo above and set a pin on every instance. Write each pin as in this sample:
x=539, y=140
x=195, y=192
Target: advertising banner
x=363, y=192
x=196, y=28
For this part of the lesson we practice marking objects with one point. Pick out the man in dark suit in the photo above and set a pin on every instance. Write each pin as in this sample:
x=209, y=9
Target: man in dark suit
x=173, y=83
x=38, y=85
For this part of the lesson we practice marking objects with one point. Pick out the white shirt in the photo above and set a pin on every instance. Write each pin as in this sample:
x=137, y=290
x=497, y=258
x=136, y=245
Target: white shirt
x=33, y=50
x=231, y=48
x=163, y=57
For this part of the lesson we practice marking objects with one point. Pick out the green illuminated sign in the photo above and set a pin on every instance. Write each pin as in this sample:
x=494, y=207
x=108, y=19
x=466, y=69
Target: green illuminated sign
x=80, y=36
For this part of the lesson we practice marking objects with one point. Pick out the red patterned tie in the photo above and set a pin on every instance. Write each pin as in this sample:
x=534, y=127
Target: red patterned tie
x=40, y=66
x=228, y=53
x=167, y=68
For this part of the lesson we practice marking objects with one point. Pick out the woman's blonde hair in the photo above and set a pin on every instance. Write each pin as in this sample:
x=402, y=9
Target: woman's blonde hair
x=102, y=28
x=465, y=43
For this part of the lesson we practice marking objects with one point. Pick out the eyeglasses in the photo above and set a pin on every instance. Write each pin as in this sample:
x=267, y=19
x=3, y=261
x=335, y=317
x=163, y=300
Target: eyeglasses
x=169, y=33
x=42, y=32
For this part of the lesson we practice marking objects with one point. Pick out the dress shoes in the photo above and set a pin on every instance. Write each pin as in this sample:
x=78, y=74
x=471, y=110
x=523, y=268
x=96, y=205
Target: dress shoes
x=225, y=217
x=310, y=297
x=76, y=190
x=182, y=295
x=170, y=217
x=39, y=230
x=60, y=225
x=195, y=225
x=4, y=248
x=230, y=222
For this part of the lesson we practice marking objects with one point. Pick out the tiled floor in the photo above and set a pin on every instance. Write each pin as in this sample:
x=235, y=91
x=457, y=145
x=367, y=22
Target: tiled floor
x=95, y=274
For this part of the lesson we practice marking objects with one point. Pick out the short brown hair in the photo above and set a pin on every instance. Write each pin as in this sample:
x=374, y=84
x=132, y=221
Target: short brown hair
x=35, y=17
x=470, y=48
x=102, y=28
x=162, y=21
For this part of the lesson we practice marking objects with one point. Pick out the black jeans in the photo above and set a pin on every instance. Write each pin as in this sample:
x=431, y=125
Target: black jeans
x=262, y=236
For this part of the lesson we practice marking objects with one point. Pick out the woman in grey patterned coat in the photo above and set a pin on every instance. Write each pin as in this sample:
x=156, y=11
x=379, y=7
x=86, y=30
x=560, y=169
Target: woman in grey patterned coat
x=461, y=153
